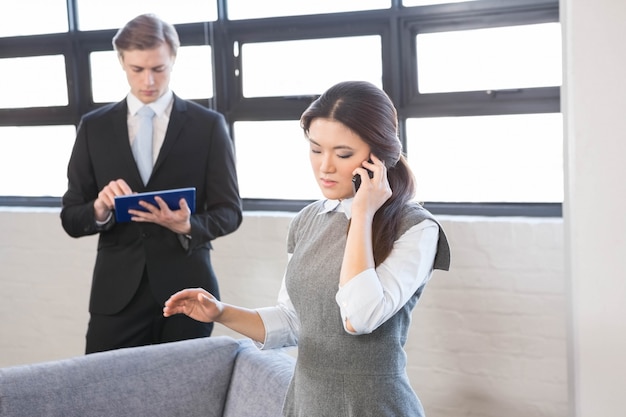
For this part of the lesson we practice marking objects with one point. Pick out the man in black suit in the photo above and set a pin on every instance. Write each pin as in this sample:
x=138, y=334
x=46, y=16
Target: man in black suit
x=139, y=264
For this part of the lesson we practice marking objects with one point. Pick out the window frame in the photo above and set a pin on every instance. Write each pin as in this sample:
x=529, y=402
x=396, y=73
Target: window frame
x=397, y=28
x=454, y=17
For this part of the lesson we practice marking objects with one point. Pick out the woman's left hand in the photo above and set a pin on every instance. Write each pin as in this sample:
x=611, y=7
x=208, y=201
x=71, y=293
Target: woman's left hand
x=374, y=191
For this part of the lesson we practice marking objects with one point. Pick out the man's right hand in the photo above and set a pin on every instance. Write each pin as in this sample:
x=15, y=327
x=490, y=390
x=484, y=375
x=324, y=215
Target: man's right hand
x=104, y=204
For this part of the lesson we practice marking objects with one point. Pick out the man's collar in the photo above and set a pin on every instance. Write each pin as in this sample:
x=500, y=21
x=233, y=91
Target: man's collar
x=159, y=106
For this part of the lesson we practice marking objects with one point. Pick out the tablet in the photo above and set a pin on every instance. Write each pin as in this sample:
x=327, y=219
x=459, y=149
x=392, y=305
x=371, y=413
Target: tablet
x=123, y=203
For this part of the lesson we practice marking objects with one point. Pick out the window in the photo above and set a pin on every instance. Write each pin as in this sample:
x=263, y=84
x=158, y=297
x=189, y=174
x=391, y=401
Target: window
x=489, y=59
x=33, y=160
x=476, y=84
x=250, y=9
x=33, y=81
x=307, y=67
x=112, y=14
x=32, y=17
x=273, y=161
x=487, y=159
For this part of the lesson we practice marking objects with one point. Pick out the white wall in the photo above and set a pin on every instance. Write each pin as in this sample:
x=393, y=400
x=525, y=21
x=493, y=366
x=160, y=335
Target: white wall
x=488, y=338
x=594, y=106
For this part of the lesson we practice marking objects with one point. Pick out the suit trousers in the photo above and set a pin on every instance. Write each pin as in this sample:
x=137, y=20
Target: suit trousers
x=141, y=323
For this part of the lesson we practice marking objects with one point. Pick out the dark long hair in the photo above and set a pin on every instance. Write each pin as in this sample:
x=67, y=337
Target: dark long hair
x=369, y=112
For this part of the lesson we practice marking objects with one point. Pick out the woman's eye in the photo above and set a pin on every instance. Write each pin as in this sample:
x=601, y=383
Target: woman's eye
x=316, y=151
x=345, y=156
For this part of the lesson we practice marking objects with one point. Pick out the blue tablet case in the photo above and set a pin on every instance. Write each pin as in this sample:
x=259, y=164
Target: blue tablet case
x=123, y=203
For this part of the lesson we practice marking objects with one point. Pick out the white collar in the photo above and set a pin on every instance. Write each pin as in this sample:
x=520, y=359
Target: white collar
x=340, y=206
x=159, y=106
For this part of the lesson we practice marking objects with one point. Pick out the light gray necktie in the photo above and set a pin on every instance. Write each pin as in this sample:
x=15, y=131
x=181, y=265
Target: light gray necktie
x=142, y=145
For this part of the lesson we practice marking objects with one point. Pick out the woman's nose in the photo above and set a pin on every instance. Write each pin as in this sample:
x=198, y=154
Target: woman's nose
x=327, y=164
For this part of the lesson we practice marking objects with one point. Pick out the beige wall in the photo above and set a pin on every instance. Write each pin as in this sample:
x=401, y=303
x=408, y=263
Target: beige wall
x=594, y=106
x=488, y=338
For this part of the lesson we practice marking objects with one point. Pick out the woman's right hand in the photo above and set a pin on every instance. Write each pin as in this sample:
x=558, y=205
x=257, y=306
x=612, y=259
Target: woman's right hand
x=196, y=303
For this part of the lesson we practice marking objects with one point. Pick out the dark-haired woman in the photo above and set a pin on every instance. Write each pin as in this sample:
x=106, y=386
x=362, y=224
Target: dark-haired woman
x=358, y=263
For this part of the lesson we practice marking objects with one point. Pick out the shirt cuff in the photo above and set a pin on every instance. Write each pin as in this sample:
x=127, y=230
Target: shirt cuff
x=278, y=332
x=357, y=298
x=103, y=225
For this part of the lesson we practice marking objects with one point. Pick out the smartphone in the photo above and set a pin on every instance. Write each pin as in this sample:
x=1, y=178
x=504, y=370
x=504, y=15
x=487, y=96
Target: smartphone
x=356, y=180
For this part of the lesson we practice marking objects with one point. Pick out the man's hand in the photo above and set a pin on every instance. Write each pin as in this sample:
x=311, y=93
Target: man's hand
x=178, y=221
x=104, y=204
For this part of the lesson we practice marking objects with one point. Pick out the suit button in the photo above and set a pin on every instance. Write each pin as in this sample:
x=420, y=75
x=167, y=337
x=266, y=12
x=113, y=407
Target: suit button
x=145, y=235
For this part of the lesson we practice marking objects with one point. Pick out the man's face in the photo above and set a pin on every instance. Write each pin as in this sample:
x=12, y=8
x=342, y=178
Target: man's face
x=148, y=71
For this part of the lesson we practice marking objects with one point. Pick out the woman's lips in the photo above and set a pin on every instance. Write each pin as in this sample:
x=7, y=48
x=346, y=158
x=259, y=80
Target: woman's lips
x=327, y=183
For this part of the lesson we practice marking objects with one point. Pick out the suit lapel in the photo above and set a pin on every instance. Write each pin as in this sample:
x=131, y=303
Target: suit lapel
x=178, y=118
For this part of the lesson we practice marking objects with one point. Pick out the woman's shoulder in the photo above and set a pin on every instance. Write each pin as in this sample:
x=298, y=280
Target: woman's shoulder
x=301, y=222
x=414, y=211
x=307, y=211
x=413, y=214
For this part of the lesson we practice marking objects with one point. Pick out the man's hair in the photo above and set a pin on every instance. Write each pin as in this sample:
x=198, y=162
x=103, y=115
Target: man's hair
x=144, y=32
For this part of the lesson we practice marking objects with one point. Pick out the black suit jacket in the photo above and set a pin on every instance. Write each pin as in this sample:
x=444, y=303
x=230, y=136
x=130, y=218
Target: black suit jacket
x=197, y=152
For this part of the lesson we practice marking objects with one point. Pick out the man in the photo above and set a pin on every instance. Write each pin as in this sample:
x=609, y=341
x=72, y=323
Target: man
x=140, y=263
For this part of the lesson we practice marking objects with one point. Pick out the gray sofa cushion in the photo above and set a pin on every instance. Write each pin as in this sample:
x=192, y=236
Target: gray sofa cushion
x=189, y=378
x=259, y=382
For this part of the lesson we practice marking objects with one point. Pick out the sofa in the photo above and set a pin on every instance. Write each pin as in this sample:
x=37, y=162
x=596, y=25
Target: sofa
x=208, y=377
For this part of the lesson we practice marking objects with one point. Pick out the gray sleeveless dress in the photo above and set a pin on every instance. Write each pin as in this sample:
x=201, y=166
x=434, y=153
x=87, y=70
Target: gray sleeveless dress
x=338, y=374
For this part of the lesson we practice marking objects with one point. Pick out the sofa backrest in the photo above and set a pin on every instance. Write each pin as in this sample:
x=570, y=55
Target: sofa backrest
x=189, y=378
x=259, y=382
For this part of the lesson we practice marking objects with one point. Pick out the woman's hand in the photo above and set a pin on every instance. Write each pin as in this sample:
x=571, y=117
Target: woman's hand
x=373, y=191
x=196, y=303
x=202, y=306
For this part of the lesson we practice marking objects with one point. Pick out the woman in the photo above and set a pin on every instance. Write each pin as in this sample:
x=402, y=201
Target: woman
x=358, y=262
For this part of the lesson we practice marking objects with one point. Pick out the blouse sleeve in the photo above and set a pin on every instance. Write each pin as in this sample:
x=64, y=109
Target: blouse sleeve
x=375, y=295
x=281, y=322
